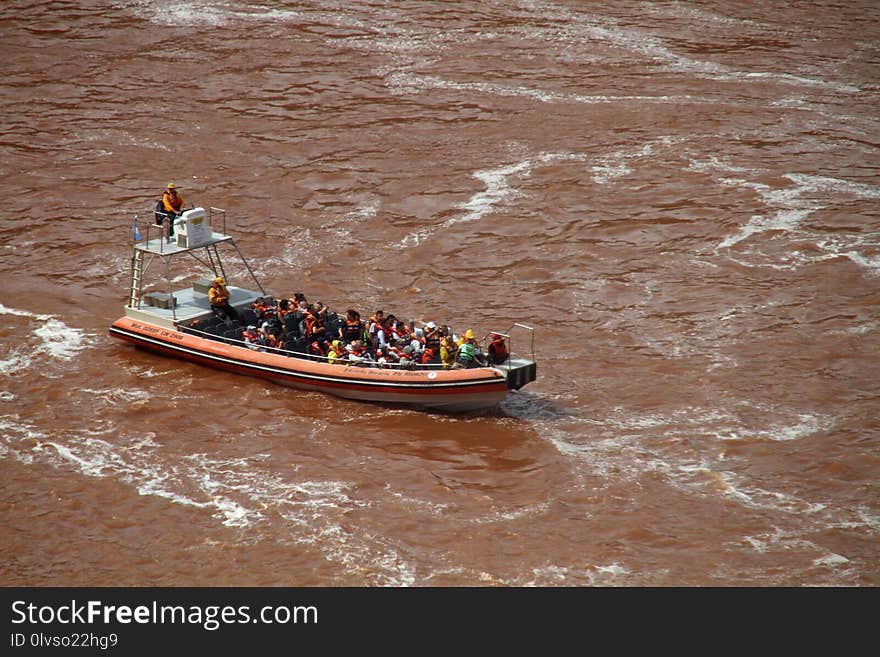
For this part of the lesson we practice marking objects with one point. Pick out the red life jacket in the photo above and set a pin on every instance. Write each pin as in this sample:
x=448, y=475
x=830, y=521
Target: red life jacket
x=498, y=350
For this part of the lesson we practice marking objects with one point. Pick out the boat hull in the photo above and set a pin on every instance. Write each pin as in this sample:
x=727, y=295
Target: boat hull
x=448, y=390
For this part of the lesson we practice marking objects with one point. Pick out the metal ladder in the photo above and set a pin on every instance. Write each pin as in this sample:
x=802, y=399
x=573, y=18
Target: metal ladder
x=137, y=264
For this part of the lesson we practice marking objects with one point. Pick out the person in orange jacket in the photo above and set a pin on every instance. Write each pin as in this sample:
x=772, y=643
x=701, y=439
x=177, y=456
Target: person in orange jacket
x=169, y=208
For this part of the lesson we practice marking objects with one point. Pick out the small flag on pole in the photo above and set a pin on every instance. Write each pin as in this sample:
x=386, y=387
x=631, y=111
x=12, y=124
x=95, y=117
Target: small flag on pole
x=134, y=229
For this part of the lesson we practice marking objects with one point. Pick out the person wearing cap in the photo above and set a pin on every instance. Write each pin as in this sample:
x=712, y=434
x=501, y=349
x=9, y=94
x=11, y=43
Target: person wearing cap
x=497, y=349
x=469, y=335
x=433, y=333
x=251, y=337
x=468, y=352
x=218, y=297
x=268, y=338
x=172, y=207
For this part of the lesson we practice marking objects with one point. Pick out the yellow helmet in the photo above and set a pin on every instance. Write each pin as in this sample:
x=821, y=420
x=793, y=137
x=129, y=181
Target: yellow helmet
x=170, y=185
x=219, y=279
x=469, y=335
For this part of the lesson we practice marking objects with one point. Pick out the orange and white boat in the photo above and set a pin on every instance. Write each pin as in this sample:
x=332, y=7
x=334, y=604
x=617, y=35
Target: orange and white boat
x=180, y=323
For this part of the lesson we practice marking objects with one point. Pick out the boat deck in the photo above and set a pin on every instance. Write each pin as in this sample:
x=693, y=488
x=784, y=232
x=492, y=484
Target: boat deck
x=190, y=305
x=161, y=247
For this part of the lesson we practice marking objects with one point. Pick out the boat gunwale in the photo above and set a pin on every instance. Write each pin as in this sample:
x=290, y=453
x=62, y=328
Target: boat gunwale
x=268, y=364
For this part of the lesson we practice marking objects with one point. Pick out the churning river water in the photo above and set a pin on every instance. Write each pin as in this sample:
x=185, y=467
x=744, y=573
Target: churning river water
x=680, y=197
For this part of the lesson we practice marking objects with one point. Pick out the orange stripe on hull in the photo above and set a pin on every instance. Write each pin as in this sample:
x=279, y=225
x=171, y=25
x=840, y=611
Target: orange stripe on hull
x=446, y=389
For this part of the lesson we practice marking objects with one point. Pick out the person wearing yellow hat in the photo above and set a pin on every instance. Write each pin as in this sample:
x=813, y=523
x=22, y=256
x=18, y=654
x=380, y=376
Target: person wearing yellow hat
x=468, y=352
x=468, y=336
x=218, y=297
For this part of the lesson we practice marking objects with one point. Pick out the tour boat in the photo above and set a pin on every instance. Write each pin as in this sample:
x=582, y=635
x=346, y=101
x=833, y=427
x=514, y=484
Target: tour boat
x=180, y=323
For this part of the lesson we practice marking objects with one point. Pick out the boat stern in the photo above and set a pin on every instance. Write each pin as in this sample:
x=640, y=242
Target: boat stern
x=518, y=372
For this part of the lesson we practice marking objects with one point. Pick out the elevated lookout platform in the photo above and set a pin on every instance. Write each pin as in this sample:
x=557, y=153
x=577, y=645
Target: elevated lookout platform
x=193, y=235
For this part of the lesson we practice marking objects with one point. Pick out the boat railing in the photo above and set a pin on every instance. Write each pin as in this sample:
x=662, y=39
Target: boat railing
x=221, y=217
x=507, y=335
x=216, y=220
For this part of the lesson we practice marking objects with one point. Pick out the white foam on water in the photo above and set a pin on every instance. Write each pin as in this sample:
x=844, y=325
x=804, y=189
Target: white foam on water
x=833, y=560
x=604, y=174
x=677, y=444
x=59, y=340
x=192, y=13
x=17, y=361
x=18, y=439
x=53, y=338
x=138, y=463
x=148, y=372
x=790, y=206
x=306, y=250
x=405, y=82
x=499, y=190
x=350, y=221
x=20, y=313
x=612, y=166
x=591, y=575
x=579, y=27
x=423, y=506
x=500, y=515
x=114, y=396
x=736, y=488
x=788, y=541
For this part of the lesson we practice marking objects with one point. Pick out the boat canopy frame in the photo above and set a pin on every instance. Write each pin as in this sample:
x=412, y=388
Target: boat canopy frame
x=148, y=249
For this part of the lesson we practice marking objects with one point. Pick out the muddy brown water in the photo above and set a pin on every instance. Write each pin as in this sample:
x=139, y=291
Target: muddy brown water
x=681, y=198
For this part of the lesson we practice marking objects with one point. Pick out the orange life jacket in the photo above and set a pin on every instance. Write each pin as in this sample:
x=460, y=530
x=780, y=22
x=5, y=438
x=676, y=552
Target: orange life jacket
x=498, y=349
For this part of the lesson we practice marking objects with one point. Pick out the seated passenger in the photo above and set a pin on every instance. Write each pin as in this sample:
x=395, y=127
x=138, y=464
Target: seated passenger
x=218, y=297
x=353, y=329
x=251, y=337
x=409, y=359
x=312, y=327
x=432, y=336
x=385, y=357
x=468, y=353
x=447, y=351
x=263, y=309
x=396, y=329
x=169, y=208
x=358, y=354
x=268, y=338
x=317, y=348
x=497, y=350
x=468, y=335
x=377, y=338
x=337, y=353
x=395, y=351
x=427, y=356
x=284, y=309
x=376, y=320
